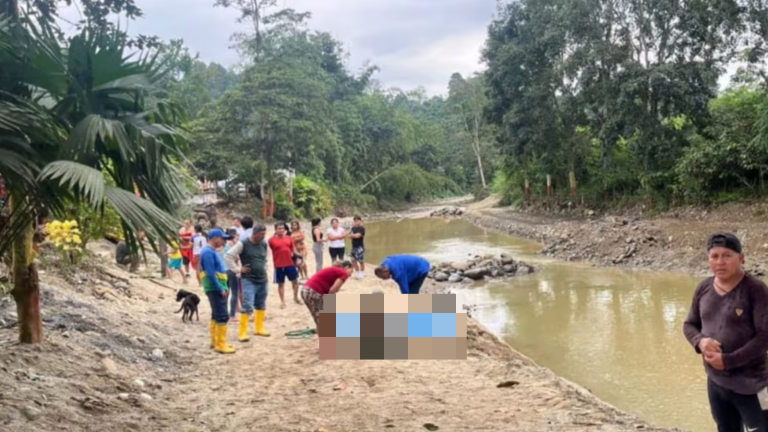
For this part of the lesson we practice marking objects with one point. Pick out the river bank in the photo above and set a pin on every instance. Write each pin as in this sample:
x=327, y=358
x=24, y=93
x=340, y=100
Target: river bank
x=119, y=359
x=672, y=241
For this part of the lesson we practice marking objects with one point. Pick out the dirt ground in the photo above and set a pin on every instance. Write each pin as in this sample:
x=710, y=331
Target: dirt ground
x=117, y=358
x=672, y=241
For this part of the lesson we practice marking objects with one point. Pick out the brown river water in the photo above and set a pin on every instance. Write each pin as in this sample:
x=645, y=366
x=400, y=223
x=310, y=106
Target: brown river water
x=616, y=332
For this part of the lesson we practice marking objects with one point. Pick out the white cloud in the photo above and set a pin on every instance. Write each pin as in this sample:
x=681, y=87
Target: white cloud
x=414, y=42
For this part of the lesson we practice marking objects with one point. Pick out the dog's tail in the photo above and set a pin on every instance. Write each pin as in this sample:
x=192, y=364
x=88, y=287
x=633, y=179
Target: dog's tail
x=182, y=307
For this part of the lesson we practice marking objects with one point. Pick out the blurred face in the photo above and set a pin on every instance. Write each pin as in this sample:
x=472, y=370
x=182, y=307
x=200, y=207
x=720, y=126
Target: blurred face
x=358, y=222
x=235, y=238
x=236, y=222
x=217, y=242
x=294, y=226
x=384, y=274
x=187, y=224
x=725, y=263
x=257, y=236
x=349, y=271
x=335, y=224
x=280, y=230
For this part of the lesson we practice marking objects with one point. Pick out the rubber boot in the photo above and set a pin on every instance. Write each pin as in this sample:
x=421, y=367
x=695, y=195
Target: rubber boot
x=221, y=342
x=213, y=334
x=258, y=317
x=244, y=320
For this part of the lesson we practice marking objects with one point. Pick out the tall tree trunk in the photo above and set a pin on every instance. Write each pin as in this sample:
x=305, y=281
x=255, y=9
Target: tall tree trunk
x=26, y=286
x=480, y=168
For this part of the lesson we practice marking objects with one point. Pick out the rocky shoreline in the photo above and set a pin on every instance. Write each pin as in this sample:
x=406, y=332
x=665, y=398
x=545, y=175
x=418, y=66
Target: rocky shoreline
x=670, y=242
x=487, y=267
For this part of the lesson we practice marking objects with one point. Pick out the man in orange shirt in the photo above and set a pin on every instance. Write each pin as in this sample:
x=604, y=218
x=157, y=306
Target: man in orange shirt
x=282, y=256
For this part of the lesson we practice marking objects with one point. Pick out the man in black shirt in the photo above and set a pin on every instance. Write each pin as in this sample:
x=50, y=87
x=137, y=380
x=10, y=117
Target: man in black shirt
x=728, y=326
x=358, y=247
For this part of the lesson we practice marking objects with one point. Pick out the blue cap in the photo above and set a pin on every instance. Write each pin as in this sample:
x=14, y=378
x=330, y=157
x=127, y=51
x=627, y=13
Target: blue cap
x=218, y=233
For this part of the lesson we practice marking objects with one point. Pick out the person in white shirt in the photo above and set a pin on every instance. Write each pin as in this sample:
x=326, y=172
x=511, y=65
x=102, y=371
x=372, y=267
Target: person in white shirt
x=247, y=225
x=336, y=237
x=199, y=242
x=238, y=226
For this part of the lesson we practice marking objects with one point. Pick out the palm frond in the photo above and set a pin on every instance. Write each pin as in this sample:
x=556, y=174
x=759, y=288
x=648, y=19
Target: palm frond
x=140, y=214
x=76, y=176
x=95, y=129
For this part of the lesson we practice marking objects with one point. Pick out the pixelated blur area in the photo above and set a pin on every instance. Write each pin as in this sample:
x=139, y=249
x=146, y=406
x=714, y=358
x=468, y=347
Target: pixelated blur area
x=392, y=327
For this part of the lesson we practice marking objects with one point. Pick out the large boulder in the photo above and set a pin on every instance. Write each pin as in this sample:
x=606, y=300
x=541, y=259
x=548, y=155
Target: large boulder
x=507, y=259
x=441, y=277
x=524, y=269
x=460, y=266
x=477, y=273
x=509, y=268
x=455, y=278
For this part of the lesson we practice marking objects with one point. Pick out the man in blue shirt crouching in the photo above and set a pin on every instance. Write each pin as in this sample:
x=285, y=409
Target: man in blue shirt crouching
x=407, y=270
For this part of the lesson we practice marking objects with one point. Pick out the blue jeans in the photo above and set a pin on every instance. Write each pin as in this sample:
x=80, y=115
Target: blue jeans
x=254, y=296
x=218, y=307
x=234, y=290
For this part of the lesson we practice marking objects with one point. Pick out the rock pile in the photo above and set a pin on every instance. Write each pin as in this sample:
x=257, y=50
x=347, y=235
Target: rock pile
x=479, y=268
x=448, y=211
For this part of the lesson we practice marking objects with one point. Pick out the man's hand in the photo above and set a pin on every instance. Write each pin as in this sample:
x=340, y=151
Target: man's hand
x=245, y=270
x=224, y=294
x=715, y=359
x=710, y=346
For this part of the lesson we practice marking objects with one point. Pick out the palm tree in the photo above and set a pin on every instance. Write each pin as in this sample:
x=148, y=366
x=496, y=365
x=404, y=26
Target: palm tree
x=83, y=122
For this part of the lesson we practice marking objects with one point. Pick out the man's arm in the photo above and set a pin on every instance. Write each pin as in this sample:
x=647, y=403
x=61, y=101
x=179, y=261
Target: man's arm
x=402, y=281
x=208, y=264
x=692, y=325
x=757, y=346
x=231, y=257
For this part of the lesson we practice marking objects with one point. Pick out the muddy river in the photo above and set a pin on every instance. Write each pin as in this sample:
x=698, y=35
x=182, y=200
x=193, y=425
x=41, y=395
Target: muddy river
x=616, y=332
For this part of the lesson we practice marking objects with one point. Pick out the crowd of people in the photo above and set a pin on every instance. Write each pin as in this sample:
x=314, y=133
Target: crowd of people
x=230, y=266
x=727, y=324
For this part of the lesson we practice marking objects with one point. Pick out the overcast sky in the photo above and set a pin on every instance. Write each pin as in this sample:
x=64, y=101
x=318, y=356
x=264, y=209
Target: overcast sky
x=414, y=42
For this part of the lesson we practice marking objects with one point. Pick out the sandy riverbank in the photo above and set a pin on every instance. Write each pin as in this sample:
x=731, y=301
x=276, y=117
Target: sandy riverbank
x=270, y=384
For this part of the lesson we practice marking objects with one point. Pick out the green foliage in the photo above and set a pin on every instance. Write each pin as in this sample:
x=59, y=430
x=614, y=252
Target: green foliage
x=98, y=132
x=410, y=183
x=94, y=223
x=313, y=199
x=619, y=92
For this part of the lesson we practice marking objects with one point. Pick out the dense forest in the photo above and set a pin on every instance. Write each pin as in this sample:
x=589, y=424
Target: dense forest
x=610, y=101
x=629, y=97
x=292, y=106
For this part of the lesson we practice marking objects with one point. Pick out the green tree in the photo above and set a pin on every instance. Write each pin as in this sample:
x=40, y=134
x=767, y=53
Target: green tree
x=80, y=123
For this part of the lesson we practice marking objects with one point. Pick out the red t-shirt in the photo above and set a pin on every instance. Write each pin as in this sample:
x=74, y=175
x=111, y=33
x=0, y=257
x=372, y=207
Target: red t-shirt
x=323, y=280
x=282, y=251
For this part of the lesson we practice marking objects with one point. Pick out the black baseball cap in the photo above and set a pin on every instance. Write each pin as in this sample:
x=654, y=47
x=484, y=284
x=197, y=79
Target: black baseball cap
x=723, y=239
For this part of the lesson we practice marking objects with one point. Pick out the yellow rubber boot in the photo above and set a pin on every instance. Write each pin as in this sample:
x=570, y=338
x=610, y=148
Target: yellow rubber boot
x=213, y=334
x=244, y=320
x=258, y=317
x=221, y=342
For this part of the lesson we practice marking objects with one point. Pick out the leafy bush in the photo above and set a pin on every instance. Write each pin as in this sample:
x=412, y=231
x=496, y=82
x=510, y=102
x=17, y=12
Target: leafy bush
x=66, y=237
x=311, y=198
x=93, y=223
x=410, y=183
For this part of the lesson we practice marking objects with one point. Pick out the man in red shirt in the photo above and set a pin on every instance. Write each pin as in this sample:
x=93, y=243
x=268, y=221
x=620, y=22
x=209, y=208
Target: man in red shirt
x=326, y=281
x=282, y=256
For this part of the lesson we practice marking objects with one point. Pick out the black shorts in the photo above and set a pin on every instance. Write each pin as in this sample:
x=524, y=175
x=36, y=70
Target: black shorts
x=185, y=260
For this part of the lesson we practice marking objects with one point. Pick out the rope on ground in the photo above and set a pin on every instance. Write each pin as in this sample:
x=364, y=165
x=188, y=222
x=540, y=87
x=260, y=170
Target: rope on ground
x=301, y=334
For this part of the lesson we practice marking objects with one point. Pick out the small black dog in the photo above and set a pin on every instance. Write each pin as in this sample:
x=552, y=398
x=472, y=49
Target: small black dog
x=189, y=302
